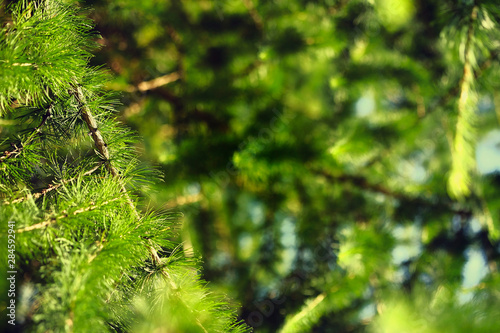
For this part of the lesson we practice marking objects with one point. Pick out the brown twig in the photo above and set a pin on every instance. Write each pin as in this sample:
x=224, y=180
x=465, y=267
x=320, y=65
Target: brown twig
x=155, y=83
x=184, y=200
x=257, y=19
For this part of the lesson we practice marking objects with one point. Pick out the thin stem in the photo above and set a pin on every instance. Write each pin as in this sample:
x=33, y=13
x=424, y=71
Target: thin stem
x=183, y=200
x=155, y=83
x=65, y=214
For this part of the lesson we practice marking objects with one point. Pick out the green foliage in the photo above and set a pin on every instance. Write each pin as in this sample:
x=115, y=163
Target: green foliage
x=323, y=152
x=335, y=163
x=34, y=70
x=434, y=312
x=87, y=258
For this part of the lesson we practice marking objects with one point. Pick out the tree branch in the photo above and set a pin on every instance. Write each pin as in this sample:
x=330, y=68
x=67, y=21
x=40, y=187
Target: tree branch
x=101, y=145
x=363, y=183
x=102, y=148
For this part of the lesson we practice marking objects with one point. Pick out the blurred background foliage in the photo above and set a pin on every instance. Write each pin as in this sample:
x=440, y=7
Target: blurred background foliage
x=323, y=153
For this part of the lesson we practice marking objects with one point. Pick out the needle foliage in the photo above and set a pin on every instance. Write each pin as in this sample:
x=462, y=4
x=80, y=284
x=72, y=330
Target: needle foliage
x=87, y=258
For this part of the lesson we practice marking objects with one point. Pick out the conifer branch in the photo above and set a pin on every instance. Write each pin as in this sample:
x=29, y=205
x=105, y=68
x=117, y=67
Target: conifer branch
x=13, y=153
x=174, y=286
x=455, y=90
x=306, y=311
x=101, y=145
x=462, y=151
x=102, y=148
x=56, y=32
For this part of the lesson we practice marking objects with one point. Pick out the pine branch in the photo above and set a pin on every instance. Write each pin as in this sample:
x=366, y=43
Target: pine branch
x=101, y=145
x=102, y=148
x=307, y=310
x=46, y=62
x=13, y=153
x=462, y=153
x=455, y=90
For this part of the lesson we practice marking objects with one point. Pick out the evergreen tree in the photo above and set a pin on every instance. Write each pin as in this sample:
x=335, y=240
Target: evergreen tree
x=324, y=155
x=86, y=257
